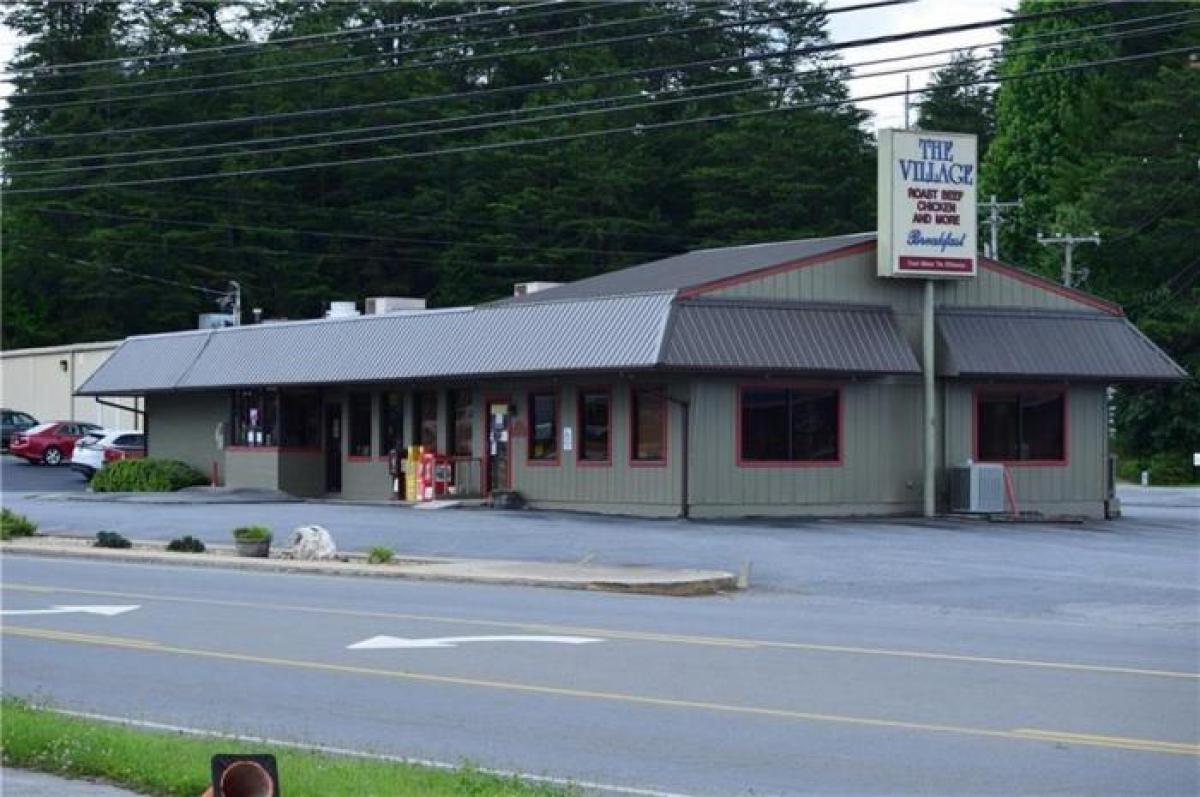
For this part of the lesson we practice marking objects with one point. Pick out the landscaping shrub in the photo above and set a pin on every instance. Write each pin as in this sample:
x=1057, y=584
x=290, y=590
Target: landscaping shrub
x=252, y=534
x=186, y=544
x=379, y=555
x=14, y=525
x=146, y=476
x=111, y=539
x=1166, y=468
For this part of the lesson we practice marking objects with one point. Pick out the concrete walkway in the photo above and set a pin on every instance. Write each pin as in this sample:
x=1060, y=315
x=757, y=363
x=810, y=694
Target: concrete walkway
x=560, y=575
x=22, y=783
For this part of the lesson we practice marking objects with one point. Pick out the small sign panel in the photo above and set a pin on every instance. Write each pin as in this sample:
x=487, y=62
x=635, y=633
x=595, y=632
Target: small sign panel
x=927, y=195
x=568, y=438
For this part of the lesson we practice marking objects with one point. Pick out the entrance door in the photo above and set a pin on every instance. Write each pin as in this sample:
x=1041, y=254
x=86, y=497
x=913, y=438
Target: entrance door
x=498, y=466
x=333, y=448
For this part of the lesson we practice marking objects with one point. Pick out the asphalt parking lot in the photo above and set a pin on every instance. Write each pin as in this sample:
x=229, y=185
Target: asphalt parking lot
x=17, y=475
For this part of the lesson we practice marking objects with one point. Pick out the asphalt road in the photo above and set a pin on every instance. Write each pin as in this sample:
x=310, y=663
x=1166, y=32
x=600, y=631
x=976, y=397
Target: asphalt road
x=765, y=693
x=17, y=475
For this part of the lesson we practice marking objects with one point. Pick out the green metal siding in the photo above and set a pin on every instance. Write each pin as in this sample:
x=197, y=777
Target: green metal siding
x=1078, y=487
x=880, y=472
x=183, y=426
x=250, y=468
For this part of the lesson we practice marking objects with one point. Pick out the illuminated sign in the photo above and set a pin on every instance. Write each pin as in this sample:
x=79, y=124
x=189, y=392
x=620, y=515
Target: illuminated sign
x=927, y=193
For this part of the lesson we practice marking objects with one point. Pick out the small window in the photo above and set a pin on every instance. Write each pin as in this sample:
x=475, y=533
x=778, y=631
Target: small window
x=360, y=424
x=391, y=419
x=461, y=429
x=594, y=421
x=789, y=425
x=648, y=412
x=1021, y=426
x=130, y=441
x=425, y=417
x=300, y=418
x=255, y=420
x=543, y=427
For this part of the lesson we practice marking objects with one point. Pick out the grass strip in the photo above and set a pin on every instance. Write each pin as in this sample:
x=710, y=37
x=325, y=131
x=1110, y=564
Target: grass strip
x=173, y=764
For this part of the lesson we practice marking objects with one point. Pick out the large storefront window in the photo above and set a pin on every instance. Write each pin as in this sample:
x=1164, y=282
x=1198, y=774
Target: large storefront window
x=391, y=422
x=595, y=421
x=648, y=435
x=789, y=425
x=255, y=418
x=300, y=418
x=460, y=412
x=1025, y=425
x=360, y=424
x=425, y=418
x=543, y=427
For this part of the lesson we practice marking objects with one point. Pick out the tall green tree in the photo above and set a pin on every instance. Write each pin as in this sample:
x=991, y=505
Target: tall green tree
x=959, y=100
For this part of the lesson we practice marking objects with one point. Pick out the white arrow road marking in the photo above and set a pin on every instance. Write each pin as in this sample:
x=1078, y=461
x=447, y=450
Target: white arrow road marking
x=386, y=642
x=106, y=611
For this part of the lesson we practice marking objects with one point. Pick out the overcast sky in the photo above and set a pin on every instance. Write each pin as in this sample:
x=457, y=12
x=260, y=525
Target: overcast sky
x=845, y=27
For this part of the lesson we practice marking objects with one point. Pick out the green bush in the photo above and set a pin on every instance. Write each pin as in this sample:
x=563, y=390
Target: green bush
x=379, y=555
x=14, y=525
x=1166, y=468
x=146, y=476
x=111, y=539
x=252, y=534
x=186, y=544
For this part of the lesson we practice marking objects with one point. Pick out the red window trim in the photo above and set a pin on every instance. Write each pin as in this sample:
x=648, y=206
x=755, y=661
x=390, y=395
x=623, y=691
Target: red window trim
x=274, y=449
x=580, y=392
x=1059, y=388
x=557, y=458
x=837, y=388
x=664, y=422
x=360, y=458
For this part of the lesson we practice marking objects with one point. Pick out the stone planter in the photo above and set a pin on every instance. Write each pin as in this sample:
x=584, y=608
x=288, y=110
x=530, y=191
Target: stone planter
x=260, y=549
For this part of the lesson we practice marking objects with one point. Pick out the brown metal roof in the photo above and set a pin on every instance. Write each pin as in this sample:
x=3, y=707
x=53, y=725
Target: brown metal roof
x=742, y=335
x=992, y=342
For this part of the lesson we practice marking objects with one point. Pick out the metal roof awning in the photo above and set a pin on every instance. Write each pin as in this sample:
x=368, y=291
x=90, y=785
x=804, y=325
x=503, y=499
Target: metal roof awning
x=991, y=342
x=611, y=333
x=741, y=335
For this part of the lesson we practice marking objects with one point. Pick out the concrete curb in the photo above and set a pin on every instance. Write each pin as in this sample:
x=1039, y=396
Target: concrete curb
x=557, y=575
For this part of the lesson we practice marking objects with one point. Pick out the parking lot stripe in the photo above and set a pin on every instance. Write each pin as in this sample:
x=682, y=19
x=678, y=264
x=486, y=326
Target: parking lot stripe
x=645, y=636
x=1027, y=735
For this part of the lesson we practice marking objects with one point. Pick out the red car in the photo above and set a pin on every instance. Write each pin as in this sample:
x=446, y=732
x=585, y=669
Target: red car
x=49, y=443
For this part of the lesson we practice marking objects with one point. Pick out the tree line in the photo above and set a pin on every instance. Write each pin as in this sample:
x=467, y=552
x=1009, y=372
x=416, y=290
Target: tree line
x=1111, y=148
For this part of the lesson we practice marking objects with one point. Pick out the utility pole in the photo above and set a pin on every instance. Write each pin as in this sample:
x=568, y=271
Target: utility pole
x=1068, y=242
x=994, y=219
x=907, y=104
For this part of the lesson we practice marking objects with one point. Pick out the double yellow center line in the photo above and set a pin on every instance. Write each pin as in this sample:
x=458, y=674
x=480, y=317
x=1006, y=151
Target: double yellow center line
x=1018, y=734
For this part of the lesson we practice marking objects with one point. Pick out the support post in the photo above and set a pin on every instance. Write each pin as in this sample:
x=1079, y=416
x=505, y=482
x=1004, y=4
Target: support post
x=930, y=426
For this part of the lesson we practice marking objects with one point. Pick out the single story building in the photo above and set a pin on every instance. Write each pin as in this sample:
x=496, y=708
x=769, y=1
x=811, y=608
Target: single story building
x=773, y=379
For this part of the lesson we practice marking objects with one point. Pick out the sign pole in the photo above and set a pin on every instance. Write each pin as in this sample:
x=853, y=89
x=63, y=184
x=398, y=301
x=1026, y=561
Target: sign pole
x=927, y=364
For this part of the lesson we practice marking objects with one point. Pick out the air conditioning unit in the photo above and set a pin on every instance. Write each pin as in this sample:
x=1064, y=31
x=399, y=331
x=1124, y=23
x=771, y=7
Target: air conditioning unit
x=342, y=310
x=977, y=487
x=526, y=288
x=379, y=305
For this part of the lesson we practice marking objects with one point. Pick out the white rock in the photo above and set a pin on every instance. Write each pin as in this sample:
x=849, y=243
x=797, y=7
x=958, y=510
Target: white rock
x=313, y=542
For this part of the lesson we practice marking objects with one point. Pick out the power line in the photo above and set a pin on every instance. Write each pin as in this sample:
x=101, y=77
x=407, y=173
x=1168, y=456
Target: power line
x=470, y=59
x=326, y=62
x=319, y=233
x=758, y=85
x=634, y=129
x=583, y=80
x=135, y=274
x=366, y=35
x=454, y=18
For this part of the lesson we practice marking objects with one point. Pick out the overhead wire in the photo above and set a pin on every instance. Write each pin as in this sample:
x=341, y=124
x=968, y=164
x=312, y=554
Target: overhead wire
x=569, y=82
x=757, y=84
x=640, y=128
x=457, y=61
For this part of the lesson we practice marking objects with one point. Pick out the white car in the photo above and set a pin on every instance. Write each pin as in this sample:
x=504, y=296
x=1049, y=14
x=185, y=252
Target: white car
x=103, y=446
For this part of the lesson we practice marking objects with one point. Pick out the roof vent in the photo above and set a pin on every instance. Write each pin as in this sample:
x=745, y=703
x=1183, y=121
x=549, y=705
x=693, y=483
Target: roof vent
x=526, y=288
x=215, y=320
x=379, y=305
x=342, y=310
